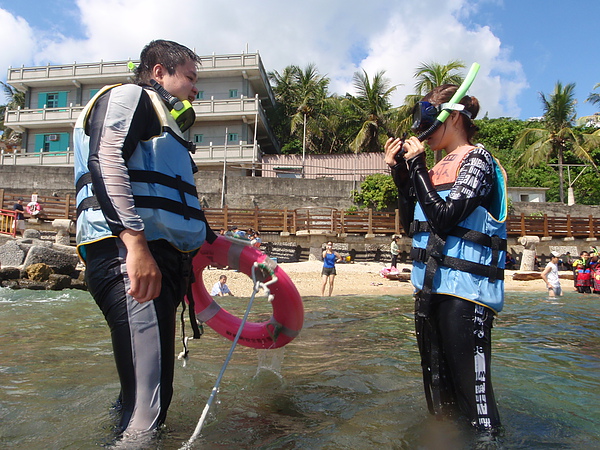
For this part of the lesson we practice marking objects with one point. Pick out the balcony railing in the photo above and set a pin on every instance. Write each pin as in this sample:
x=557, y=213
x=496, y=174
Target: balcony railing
x=37, y=117
x=86, y=70
x=333, y=221
x=217, y=154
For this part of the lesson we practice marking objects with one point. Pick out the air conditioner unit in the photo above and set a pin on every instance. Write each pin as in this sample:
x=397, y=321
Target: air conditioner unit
x=53, y=137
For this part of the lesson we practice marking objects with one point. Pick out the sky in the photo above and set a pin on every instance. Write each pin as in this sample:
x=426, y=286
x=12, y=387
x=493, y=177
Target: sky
x=524, y=47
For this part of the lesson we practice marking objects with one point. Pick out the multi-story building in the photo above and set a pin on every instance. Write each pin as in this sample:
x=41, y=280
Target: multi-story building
x=231, y=109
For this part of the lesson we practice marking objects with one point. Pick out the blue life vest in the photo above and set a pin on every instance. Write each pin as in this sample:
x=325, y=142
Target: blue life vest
x=469, y=262
x=162, y=181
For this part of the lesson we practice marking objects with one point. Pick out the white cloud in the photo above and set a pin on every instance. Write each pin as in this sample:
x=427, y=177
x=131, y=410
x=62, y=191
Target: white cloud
x=339, y=36
x=18, y=38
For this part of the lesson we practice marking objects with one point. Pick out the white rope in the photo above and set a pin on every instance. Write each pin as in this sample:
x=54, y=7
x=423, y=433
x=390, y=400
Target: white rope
x=257, y=286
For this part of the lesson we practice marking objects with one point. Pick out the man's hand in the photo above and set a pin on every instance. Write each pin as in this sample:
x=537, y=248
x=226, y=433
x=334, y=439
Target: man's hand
x=142, y=269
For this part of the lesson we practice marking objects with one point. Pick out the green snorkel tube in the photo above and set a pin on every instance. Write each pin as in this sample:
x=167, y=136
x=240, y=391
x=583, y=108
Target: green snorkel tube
x=458, y=95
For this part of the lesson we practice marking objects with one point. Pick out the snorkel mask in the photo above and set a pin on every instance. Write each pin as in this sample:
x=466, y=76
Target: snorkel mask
x=425, y=114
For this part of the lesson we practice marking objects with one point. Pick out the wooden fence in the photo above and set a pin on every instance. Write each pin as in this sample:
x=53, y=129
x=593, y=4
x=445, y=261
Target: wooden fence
x=327, y=220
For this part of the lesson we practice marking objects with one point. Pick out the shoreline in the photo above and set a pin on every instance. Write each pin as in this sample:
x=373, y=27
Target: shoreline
x=360, y=278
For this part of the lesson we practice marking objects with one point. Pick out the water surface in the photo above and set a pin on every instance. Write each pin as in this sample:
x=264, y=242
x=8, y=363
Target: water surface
x=351, y=380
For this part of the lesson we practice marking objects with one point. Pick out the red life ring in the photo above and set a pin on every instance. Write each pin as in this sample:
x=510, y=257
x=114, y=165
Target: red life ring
x=288, y=312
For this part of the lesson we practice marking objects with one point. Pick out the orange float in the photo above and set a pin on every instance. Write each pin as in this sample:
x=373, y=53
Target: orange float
x=288, y=311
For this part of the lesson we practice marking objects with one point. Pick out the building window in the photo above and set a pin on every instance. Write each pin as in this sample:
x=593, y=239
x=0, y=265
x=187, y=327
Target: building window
x=198, y=138
x=233, y=93
x=52, y=100
x=233, y=137
x=524, y=197
x=200, y=95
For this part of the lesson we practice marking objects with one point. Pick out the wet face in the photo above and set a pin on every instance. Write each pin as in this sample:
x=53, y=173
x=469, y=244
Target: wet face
x=182, y=83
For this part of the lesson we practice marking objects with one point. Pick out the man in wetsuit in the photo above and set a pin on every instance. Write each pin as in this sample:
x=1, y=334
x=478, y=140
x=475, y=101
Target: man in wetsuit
x=140, y=222
x=456, y=215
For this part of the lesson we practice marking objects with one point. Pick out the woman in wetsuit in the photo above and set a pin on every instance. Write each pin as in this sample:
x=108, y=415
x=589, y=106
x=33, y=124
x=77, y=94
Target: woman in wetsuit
x=455, y=214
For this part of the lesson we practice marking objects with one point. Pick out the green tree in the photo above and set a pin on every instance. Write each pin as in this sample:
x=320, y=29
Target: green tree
x=16, y=99
x=301, y=94
x=554, y=134
x=431, y=75
x=376, y=191
x=594, y=97
x=372, y=106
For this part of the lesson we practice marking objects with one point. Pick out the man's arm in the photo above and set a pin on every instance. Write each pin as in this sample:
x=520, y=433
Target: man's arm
x=118, y=122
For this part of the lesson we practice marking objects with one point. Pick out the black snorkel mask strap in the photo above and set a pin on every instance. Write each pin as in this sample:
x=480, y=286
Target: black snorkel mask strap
x=181, y=110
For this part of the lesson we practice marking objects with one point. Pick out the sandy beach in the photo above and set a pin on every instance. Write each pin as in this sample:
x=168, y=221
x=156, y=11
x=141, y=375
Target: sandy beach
x=352, y=279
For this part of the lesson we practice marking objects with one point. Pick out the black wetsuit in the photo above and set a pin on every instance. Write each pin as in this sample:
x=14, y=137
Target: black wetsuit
x=455, y=329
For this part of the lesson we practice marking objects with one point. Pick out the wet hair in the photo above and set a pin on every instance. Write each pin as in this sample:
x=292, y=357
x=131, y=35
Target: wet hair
x=442, y=94
x=168, y=53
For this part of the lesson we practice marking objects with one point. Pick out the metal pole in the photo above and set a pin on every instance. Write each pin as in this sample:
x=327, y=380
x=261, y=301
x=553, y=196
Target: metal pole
x=303, y=145
x=224, y=168
x=255, y=147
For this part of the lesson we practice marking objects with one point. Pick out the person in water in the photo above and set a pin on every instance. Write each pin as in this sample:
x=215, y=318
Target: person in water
x=328, y=273
x=140, y=222
x=456, y=215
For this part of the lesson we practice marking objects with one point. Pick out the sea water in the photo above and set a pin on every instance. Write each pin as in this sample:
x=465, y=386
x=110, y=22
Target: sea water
x=351, y=380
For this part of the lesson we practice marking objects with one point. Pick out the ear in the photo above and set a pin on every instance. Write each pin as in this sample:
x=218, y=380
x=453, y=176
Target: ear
x=159, y=72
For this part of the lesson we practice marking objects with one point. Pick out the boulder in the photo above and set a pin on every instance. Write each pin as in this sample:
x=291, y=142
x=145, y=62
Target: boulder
x=57, y=282
x=11, y=254
x=10, y=273
x=62, y=262
x=31, y=284
x=39, y=272
x=32, y=233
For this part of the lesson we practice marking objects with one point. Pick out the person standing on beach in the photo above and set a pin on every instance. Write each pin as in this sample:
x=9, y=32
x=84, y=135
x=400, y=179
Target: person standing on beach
x=395, y=251
x=456, y=215
x=140, y=222
x=328, y=273
x=550, y=276
x=19, y=223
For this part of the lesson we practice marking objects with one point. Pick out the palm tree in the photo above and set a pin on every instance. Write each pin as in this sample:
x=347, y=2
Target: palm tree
x=594, y=97
x=431, y=75
x=372, y=105
x=555, y=134
x=301, y=95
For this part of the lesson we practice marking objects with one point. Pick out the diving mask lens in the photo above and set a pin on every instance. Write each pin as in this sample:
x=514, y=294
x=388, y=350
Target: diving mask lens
x=424, y=115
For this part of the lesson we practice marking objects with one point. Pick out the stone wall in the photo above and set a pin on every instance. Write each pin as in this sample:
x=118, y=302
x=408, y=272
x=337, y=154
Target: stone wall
x=246, y=192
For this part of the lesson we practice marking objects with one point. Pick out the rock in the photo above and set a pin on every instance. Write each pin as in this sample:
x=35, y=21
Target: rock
x=62, y=237
x=62, y=262
x=39, y=272
x=11, y=284
x=10, y=273
x=11, y=254
x=79, y=284
x=57, y=282
x=32, y=233
x=31, y=284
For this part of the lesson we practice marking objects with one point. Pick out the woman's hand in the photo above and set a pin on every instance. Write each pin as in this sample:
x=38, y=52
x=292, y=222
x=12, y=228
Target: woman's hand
x=392, y=147
x=413, y=147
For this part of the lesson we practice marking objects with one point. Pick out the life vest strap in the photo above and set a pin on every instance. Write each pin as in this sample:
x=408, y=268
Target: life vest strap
x=493, y=242
x=492, y=272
